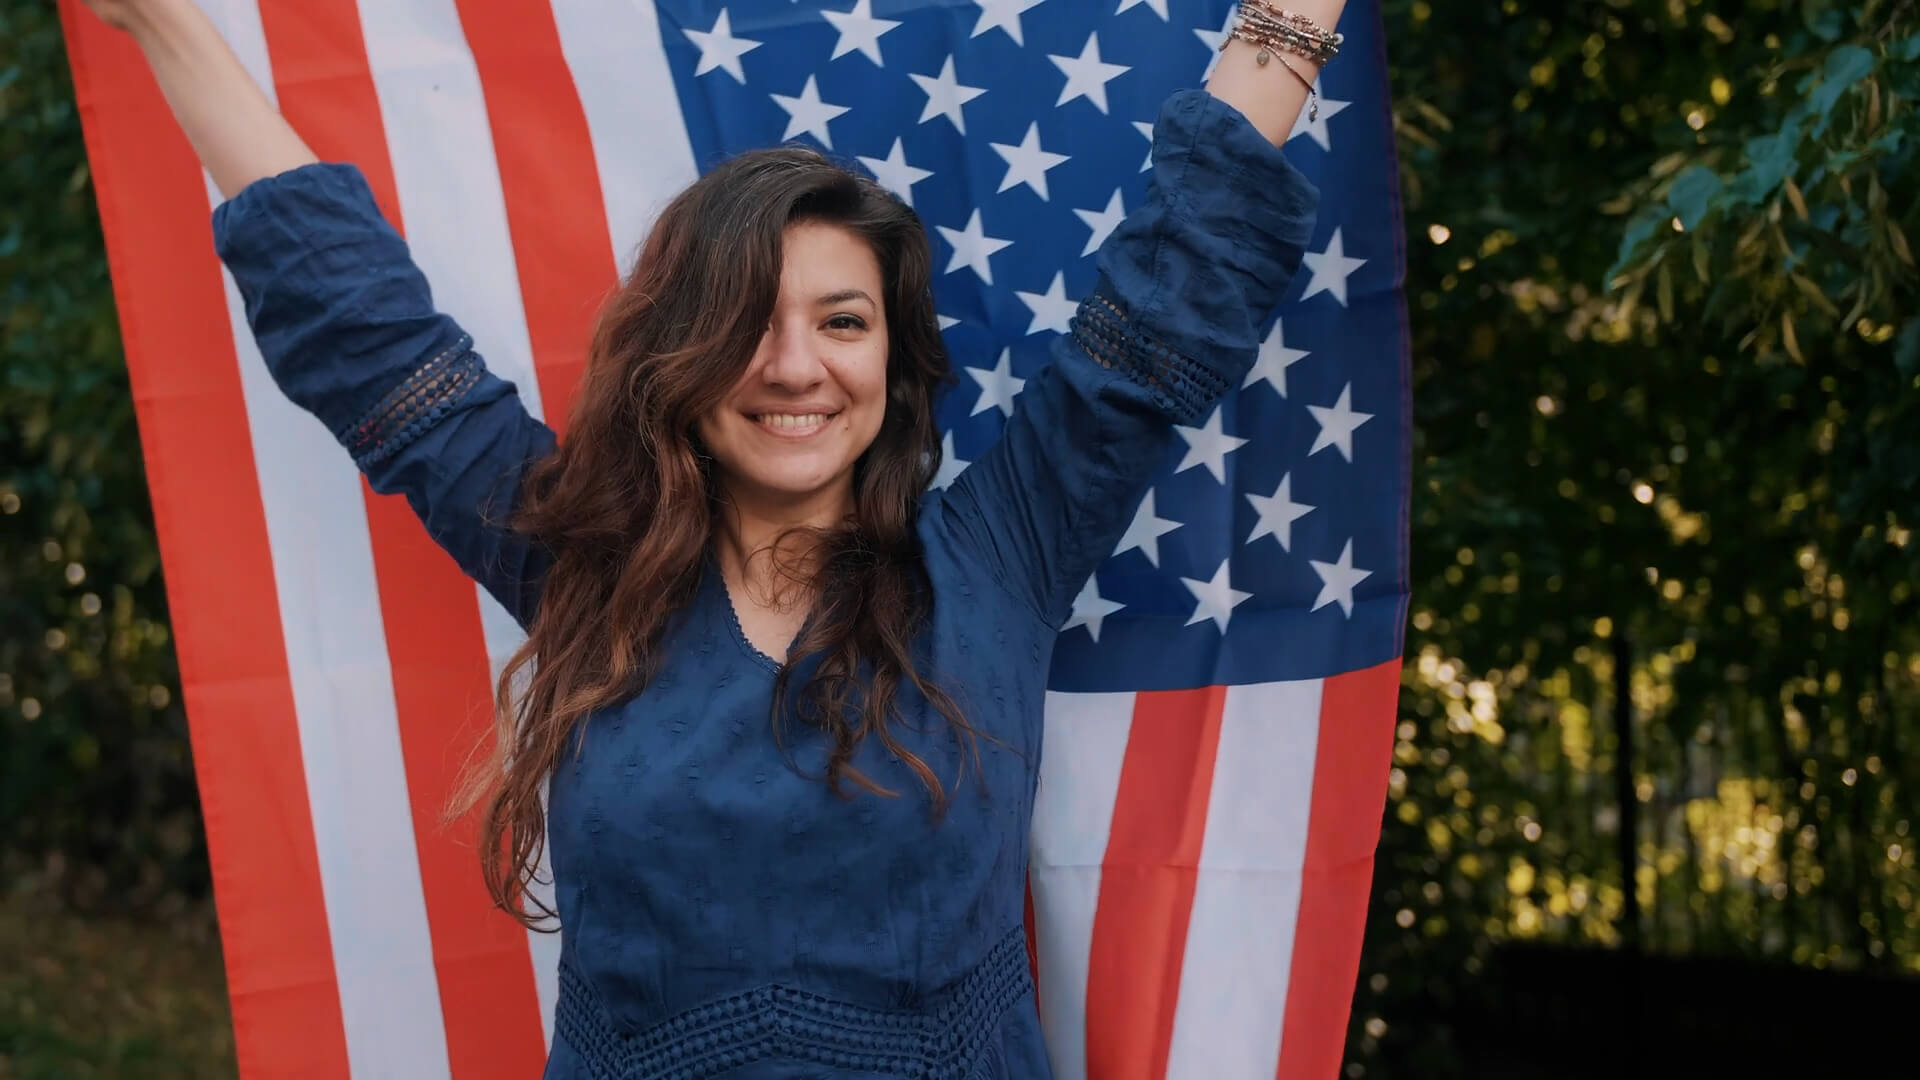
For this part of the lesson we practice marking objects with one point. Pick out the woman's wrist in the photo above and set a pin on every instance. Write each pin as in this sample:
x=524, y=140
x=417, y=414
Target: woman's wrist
x=1271, y=95
x=164, y=25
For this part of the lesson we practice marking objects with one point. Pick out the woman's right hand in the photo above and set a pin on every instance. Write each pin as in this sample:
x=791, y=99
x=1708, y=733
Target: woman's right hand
x=123, y=14
x=237, y=133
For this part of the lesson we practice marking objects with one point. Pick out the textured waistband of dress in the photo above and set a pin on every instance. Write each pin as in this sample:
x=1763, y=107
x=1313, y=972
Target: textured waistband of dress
x=940, y=1041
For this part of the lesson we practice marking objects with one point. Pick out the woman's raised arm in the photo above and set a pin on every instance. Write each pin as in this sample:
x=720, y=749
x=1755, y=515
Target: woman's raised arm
x=344, y=318
x=1171, y=326
x=238, y=134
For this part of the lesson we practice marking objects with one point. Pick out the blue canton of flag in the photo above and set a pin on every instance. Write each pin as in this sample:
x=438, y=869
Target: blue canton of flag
x=1272, y=545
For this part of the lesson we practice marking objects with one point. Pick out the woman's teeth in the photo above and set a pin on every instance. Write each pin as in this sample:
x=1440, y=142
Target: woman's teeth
x=791, y=424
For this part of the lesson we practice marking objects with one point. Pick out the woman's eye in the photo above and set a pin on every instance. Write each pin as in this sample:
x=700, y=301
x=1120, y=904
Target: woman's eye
x=846, y=322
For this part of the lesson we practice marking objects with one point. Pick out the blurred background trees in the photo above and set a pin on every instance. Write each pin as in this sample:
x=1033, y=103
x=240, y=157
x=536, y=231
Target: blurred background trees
x=1667, y=477
x=1667, y=400
x=96, y=784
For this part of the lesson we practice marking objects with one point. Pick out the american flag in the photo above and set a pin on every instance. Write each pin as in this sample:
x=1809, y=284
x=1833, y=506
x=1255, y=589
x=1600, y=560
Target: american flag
x=1222, y=700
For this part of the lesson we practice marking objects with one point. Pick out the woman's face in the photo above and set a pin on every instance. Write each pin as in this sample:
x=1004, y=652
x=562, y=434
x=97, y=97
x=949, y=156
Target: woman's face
x=813, y=398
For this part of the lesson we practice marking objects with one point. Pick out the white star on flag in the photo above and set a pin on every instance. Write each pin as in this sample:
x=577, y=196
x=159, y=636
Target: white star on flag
x=720, y=49
x=1315, y=127
x=1159, y=7
x=1277, y=513
x=998, y=385
x=1145, y=531
x=894, y=173
x=1027, y=163
x=858, y=30
x=1215, y=599
x=1274, y=360
x=1087, y=75
x=1146, y=129
x=1090, y=609
x=1337, y=424
x=971, y=247
x=950, y=464
x=945, y=95
x=1051, y=309
x=1209, y=445
x=1331, y=267
x=1102, y=222
x=946, y=322
x=807, y=113
x=1337, y=580
x=1003, y=15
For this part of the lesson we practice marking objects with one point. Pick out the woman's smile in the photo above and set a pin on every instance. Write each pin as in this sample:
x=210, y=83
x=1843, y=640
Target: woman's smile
x=794, y=425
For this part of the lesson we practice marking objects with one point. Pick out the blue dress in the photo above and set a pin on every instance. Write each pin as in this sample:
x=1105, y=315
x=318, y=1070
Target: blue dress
x=726, y=915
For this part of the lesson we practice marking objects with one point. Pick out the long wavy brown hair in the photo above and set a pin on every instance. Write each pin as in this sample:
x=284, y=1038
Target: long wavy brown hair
x=628, y=505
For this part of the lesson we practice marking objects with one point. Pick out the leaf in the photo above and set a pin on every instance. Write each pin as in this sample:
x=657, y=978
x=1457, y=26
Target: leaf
x=1702, y=259
x=1823, y=20
x=1845, y=66
x=1793, y=196
x=1906, y=348
x=1897, y=240
x=1434, y=116
x=1663, y=292
x=1691, y=196
x=1770, y=160
x=1789, y=338
x=1638, y=232
x=1813, y=293
x=1631, y=302
x=1907, y=48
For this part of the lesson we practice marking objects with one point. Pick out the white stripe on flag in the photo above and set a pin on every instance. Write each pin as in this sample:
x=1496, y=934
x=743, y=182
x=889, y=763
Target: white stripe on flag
x=449, y=189
x=448, y=183
x=1084, y=745
x=1233, y=980
x=633, y=111
x=343, y=696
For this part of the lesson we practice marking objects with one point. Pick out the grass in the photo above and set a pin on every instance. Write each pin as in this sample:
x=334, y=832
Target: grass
x=84, y=998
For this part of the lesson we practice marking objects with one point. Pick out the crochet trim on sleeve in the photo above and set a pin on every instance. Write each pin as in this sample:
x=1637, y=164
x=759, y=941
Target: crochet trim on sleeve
x=1181, y=385
x=419, y=402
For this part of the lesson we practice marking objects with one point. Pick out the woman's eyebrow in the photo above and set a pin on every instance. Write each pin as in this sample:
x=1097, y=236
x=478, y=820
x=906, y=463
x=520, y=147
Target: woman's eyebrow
x=844, y=295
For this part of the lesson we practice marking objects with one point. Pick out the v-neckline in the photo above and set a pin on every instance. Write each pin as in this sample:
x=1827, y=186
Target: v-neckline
x=747, y=647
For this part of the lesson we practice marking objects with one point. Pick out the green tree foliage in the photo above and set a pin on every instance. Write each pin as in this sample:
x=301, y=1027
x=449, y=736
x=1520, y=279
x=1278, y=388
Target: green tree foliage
x=1667, y=411
x=96, y=784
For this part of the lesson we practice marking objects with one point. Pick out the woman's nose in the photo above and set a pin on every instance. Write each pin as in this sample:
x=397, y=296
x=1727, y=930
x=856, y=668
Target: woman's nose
x=792, y=360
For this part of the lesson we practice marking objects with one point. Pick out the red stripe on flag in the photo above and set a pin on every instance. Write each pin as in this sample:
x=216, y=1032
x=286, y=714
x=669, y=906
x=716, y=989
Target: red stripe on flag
x=219, y=564
x=1358, y=711
x=1147, y=880
x=1033, y=943
x=441, y=681
x=551, y=183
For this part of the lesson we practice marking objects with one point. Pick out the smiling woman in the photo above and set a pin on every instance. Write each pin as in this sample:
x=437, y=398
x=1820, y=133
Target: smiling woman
x=813, y=398
x=778, y=709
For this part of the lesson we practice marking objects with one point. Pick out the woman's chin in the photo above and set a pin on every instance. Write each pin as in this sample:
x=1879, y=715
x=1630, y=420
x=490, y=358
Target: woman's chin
x=789, y=486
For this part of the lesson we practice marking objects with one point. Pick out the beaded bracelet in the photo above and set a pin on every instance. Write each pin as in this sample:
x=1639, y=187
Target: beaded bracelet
x=1275, y=30
x=1313, y=42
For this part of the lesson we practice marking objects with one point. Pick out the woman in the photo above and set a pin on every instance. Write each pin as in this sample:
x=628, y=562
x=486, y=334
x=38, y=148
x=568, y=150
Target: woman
x=788, y=702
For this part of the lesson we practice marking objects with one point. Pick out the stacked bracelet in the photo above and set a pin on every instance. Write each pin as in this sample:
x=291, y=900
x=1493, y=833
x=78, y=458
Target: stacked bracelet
x=1276, y=30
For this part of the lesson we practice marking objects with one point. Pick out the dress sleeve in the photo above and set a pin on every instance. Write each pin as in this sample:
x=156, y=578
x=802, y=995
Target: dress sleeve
x=1172, y=324
x=348, y=328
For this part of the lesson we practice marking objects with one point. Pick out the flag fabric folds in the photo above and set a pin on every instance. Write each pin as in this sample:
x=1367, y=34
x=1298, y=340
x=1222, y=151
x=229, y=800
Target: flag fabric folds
x=1222, y=699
